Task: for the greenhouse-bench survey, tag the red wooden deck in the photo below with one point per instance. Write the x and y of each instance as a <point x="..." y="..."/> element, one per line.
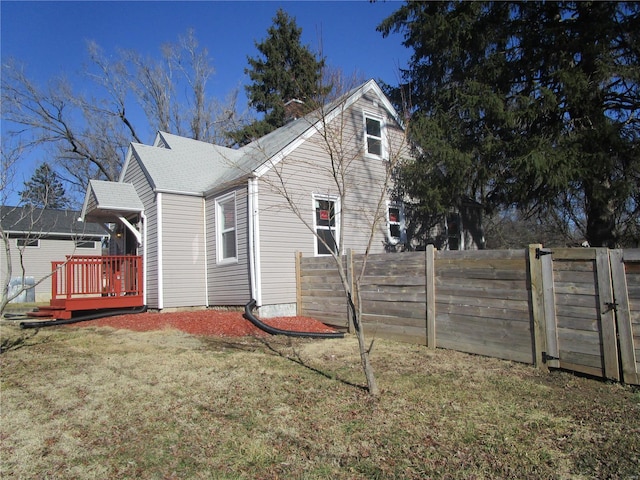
<point x="86" y="282"/>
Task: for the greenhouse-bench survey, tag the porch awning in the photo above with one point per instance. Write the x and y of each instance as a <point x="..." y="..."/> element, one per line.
<point x="106" y="202"/>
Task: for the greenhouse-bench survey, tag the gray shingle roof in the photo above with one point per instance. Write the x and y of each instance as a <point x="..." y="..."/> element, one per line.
<point x="182" y="165"/>
<point x="116" y="196"/>
<point x="38" y="221"/>
<point x="195" y="167"/>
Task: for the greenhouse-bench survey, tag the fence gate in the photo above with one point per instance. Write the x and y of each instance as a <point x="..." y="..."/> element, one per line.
<point x="588" y="324"/>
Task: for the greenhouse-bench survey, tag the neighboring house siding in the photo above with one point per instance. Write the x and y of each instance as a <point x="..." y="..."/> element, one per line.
<point x="229" y="283"/>
<point x="136" y="176"/>
<point x="305" y="172"/>
<point x="183" y="251"/>
<point x="37" y="260"/>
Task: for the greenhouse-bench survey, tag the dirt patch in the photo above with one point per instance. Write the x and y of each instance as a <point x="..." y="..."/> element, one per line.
<point x="205" y="322"/>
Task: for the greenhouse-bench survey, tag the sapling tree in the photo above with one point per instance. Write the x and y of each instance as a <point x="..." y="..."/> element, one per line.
<point x="355" y="190"/>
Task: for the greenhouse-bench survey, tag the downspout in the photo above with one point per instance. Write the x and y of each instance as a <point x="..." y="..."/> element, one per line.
<point x="206" y="256"/>
<point x="143" y="217"/>
<point x="159" y="235"/>
<point x="254" y="241"/>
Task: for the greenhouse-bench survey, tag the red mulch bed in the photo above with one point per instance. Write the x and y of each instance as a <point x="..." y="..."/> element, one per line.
<point x="205" y="322"/>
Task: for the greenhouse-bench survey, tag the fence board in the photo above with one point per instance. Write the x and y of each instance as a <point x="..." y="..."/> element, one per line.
<point x="524" y="305"/>
<point x="629" y="357"/>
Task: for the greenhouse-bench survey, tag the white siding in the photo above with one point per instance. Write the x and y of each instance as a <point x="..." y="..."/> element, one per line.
<point x="183" y="251"/>
<point x="136" y="176"/>
<point x="229" y="283"/>
<point x="37" y="261"/>
<point x="307" y="171"/>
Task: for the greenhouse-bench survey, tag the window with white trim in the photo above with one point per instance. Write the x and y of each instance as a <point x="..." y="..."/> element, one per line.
<point x="396" y="230"/>
<point x="28" y="242"/>
<point x="85" y="244"/>
<point x="325" y="224"/>
<point x="226" y="242"/>
<point x="374" y="133"/>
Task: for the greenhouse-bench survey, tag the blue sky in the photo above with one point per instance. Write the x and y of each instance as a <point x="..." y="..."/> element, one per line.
<point x="50" y="37"/>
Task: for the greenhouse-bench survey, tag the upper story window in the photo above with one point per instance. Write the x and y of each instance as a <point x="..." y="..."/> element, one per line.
<point x="326" y="224"/>
<point x="226" y="244"/>
<point x="374" y="133"/>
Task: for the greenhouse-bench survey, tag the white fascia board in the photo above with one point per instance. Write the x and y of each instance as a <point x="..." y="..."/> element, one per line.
<point x="119" y="209"/>
<point x="326" y="119"/>
<point x="372" y="85"/>
<point x="85" y="203"/>
<point x="127" y="160"/>
<point x="178" y="192"/>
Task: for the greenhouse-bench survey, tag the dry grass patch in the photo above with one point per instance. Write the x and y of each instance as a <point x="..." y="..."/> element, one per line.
<point x="103" y="403"/>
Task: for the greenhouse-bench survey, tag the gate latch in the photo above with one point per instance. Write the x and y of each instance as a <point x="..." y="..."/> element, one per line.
<point x="540" y="252"/>
<point x="546" y="356"/>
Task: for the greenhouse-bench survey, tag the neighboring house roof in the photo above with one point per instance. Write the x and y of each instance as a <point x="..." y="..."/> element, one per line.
<point x="181" y="165"/>
<point x="38" y="221"/>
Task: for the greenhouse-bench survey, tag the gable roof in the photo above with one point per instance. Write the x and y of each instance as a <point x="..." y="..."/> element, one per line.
<point x="39" y="221"/>
<point x="108" y="199"/>
<point x="175" y="164"/>
<point x="182" y="165"/>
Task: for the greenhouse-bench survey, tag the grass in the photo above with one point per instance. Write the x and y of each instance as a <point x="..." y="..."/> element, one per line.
<point x="100" y="403"/>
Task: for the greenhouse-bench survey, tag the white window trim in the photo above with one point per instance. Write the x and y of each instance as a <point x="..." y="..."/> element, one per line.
<point x="383" y="130"/>
<point x="27" y="241"/>
<point x="84" y="244"/>
<point x="219" y="244"/>
<point x="400" y="222"/>
<point x="336" y="200"/>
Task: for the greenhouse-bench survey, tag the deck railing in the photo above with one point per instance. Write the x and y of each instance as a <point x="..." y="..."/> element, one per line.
<point x="85" y="276"/>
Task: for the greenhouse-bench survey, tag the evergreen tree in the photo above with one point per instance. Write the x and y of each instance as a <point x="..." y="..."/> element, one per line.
<point x="44" y="190"/>
<point x="532" y="104"/>
<point x="284" y="71"/>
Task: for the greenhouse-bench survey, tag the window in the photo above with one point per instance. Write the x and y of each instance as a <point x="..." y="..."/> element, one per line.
<point x="396" y="231"/>
<point x="325" y="225"/>
<point x="85" y="244"/>
<point x="226" y="228"/>
<point x="28" y="242"/>
<point x="374" y="129"/>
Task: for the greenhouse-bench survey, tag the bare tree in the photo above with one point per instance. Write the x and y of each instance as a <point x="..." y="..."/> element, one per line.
<point x="85" y="134"/>
<point x="339" y="136"/>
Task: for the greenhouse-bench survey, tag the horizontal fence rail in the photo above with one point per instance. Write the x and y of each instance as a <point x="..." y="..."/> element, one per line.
<point x="576" y="309"/>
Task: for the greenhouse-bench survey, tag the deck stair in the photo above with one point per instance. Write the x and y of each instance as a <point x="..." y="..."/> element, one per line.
<point x="52" y="312"/>
<point x="91" y="283"/>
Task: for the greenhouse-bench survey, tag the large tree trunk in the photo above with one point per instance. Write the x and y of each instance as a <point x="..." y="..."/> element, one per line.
<point x="600" y="212"/>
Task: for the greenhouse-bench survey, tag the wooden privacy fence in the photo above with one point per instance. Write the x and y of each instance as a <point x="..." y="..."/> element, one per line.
<point x="576" y="309"/>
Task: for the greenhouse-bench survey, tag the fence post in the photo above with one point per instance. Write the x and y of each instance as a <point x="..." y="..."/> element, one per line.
<point x="607" y="318"/>
<point x="623" y="317"/>
<point x="298" y="257"/>
<point x="354" y="298"/>
<point x="430" y="284"/>
<point x="537" y="306"/>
